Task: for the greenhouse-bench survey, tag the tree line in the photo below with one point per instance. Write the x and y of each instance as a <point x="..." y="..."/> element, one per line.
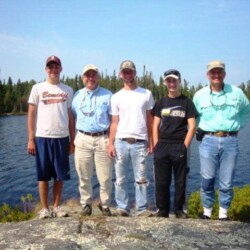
<point x="14" y="96"/>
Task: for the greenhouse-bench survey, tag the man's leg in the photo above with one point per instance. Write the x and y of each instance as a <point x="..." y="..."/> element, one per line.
<point x="228" y="159"/>
<point x="84" y="162"/>
<point x="43" y="187"/>
<point x="163" y="176"/>
<point x="209" y="161"/>
<point x="138" y="153"/>
<point x="179" y="160"/>
<point x="122" y="164"/>
<point x="103" y="170"/>
<point x="57" y="192"/>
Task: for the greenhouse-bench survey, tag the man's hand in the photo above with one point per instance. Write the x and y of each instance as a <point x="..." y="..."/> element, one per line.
<point x="31" y="148"/>
<point x="111" y="151"/>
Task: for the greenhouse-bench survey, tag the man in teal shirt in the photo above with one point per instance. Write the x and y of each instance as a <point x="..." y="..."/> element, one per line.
<point x="223" y="110"/>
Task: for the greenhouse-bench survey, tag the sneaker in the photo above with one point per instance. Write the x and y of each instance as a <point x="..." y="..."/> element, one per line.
<point x="121" y="212"/>
<point x="145" y="213"/>
<point x="204" y="217"/>
<point x="161" y="213"/>
<point x="105" y="211"/>
<point x="59" y="213"/>
<point x="44" y="214"/>
<point x="181" y="215"/>
<point x="86" y="210"/>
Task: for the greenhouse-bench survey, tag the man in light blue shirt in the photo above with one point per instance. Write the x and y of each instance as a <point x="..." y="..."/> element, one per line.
<point x="223" y="110"/>
<point x="91" y="107"/>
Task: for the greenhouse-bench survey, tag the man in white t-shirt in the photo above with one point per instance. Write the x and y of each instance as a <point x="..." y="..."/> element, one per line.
<point x="130" y="139"/>
<point x="51" y="135"/>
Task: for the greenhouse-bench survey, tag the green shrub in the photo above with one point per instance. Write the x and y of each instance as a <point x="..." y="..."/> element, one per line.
<point x="15" y="214"/>
<point x="239" y="209"/>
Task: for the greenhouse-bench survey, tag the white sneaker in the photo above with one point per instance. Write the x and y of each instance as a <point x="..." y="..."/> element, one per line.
<point x="144" y="213"/>
<point x="58" y="212"/>
<point x="44" y="214"/>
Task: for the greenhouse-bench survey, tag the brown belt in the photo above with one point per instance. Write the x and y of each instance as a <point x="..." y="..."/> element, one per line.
<point x="132" y="140"/>
<point x="223" y="133"/>
<point x="94" y="134"/>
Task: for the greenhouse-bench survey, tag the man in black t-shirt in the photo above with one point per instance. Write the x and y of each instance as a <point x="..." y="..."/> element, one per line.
<point x="173" y="131"/>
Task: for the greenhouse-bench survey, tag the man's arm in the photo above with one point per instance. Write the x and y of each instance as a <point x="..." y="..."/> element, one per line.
<point x="71" y="131"/>
<point x="149" y="129"/>
<point x="191" y="131"/>
<point x="31" y="123"/>
<point x="112" y="133"/>
<point x="155" y="133"/>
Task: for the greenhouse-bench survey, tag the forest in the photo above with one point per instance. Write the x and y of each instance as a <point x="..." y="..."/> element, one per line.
<point x="14" y="96"/>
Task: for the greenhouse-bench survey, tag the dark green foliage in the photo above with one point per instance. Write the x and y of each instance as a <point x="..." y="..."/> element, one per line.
<point x="14" y="96"/>
<point x="9" y="214"/>
<point x="240" y="207"/>
<point x="238" y="211"/>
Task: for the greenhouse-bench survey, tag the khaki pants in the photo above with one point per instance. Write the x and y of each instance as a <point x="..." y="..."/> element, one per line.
<point x="91" y="151"/>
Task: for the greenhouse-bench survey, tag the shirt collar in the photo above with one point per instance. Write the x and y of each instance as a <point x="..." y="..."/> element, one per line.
<point x="91" y="92"/>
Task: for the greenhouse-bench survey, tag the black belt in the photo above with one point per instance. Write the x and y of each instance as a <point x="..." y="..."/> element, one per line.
<point x="94" y="134"/>
<point x="132" y="140"/>
<point x="223" y="133"/>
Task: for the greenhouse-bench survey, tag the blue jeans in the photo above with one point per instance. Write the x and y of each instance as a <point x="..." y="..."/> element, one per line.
<point x="218" y="154"/>
<point x="128" y="155"/>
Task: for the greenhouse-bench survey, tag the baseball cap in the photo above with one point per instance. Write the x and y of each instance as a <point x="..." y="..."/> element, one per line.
<point x="89" y="67"/>
<point x="53" y="59"/>
<point x="127" y="64"/>
<point x="172" y="73"/>
<point x="215" y="64"/>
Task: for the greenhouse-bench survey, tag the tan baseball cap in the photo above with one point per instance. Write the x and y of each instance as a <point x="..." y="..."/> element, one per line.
<point x="89" y="67"/>
<point x="127" y="64"/>
<point x="215" y="64"/>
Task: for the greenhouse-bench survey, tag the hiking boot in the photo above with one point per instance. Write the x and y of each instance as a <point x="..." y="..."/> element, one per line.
<point x="204" y="217"/>
<point x="181" y="215"/>
<point x="86" y="210"/>
<point x="145" y="213"/>
<point x="44" y="214"/>
<point x="161" y="213"/>
<point x="58" y="212"/>
<point x="224" y="219"/>
<point x="121" y="212"/>
<point x="105" y="211"/>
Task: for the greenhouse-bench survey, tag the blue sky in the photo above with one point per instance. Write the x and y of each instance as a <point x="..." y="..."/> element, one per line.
<point x="159" y="34"/>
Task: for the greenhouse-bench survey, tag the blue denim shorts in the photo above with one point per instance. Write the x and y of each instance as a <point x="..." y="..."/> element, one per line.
<point x="52" y="158"/>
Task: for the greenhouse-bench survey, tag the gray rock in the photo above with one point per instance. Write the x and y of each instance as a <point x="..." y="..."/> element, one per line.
<point x="98" y="232"/>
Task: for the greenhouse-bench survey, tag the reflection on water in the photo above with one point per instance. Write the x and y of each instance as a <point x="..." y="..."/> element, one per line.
<point x="18" y="174"/>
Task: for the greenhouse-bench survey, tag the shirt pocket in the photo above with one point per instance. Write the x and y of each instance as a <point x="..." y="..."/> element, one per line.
<point x="102" y="114"/>
<point x="232" y="109"/>
<point x="208" y="111"/>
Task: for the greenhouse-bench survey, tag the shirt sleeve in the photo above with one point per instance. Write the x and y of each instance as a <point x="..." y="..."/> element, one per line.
<point x="191" y="112"/>
<point x="151" y="101"/>
<point x="157" y="110"/>
<point x="33" y="98"/>
<point x="114" y="107"/>
<point x="244" y="110"/>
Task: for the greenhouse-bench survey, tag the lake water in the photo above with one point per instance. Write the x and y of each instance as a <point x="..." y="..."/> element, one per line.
<point x="18" y="174"/>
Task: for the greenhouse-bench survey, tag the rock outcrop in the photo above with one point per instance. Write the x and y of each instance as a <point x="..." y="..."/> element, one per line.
<point x="98" y="232"/>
